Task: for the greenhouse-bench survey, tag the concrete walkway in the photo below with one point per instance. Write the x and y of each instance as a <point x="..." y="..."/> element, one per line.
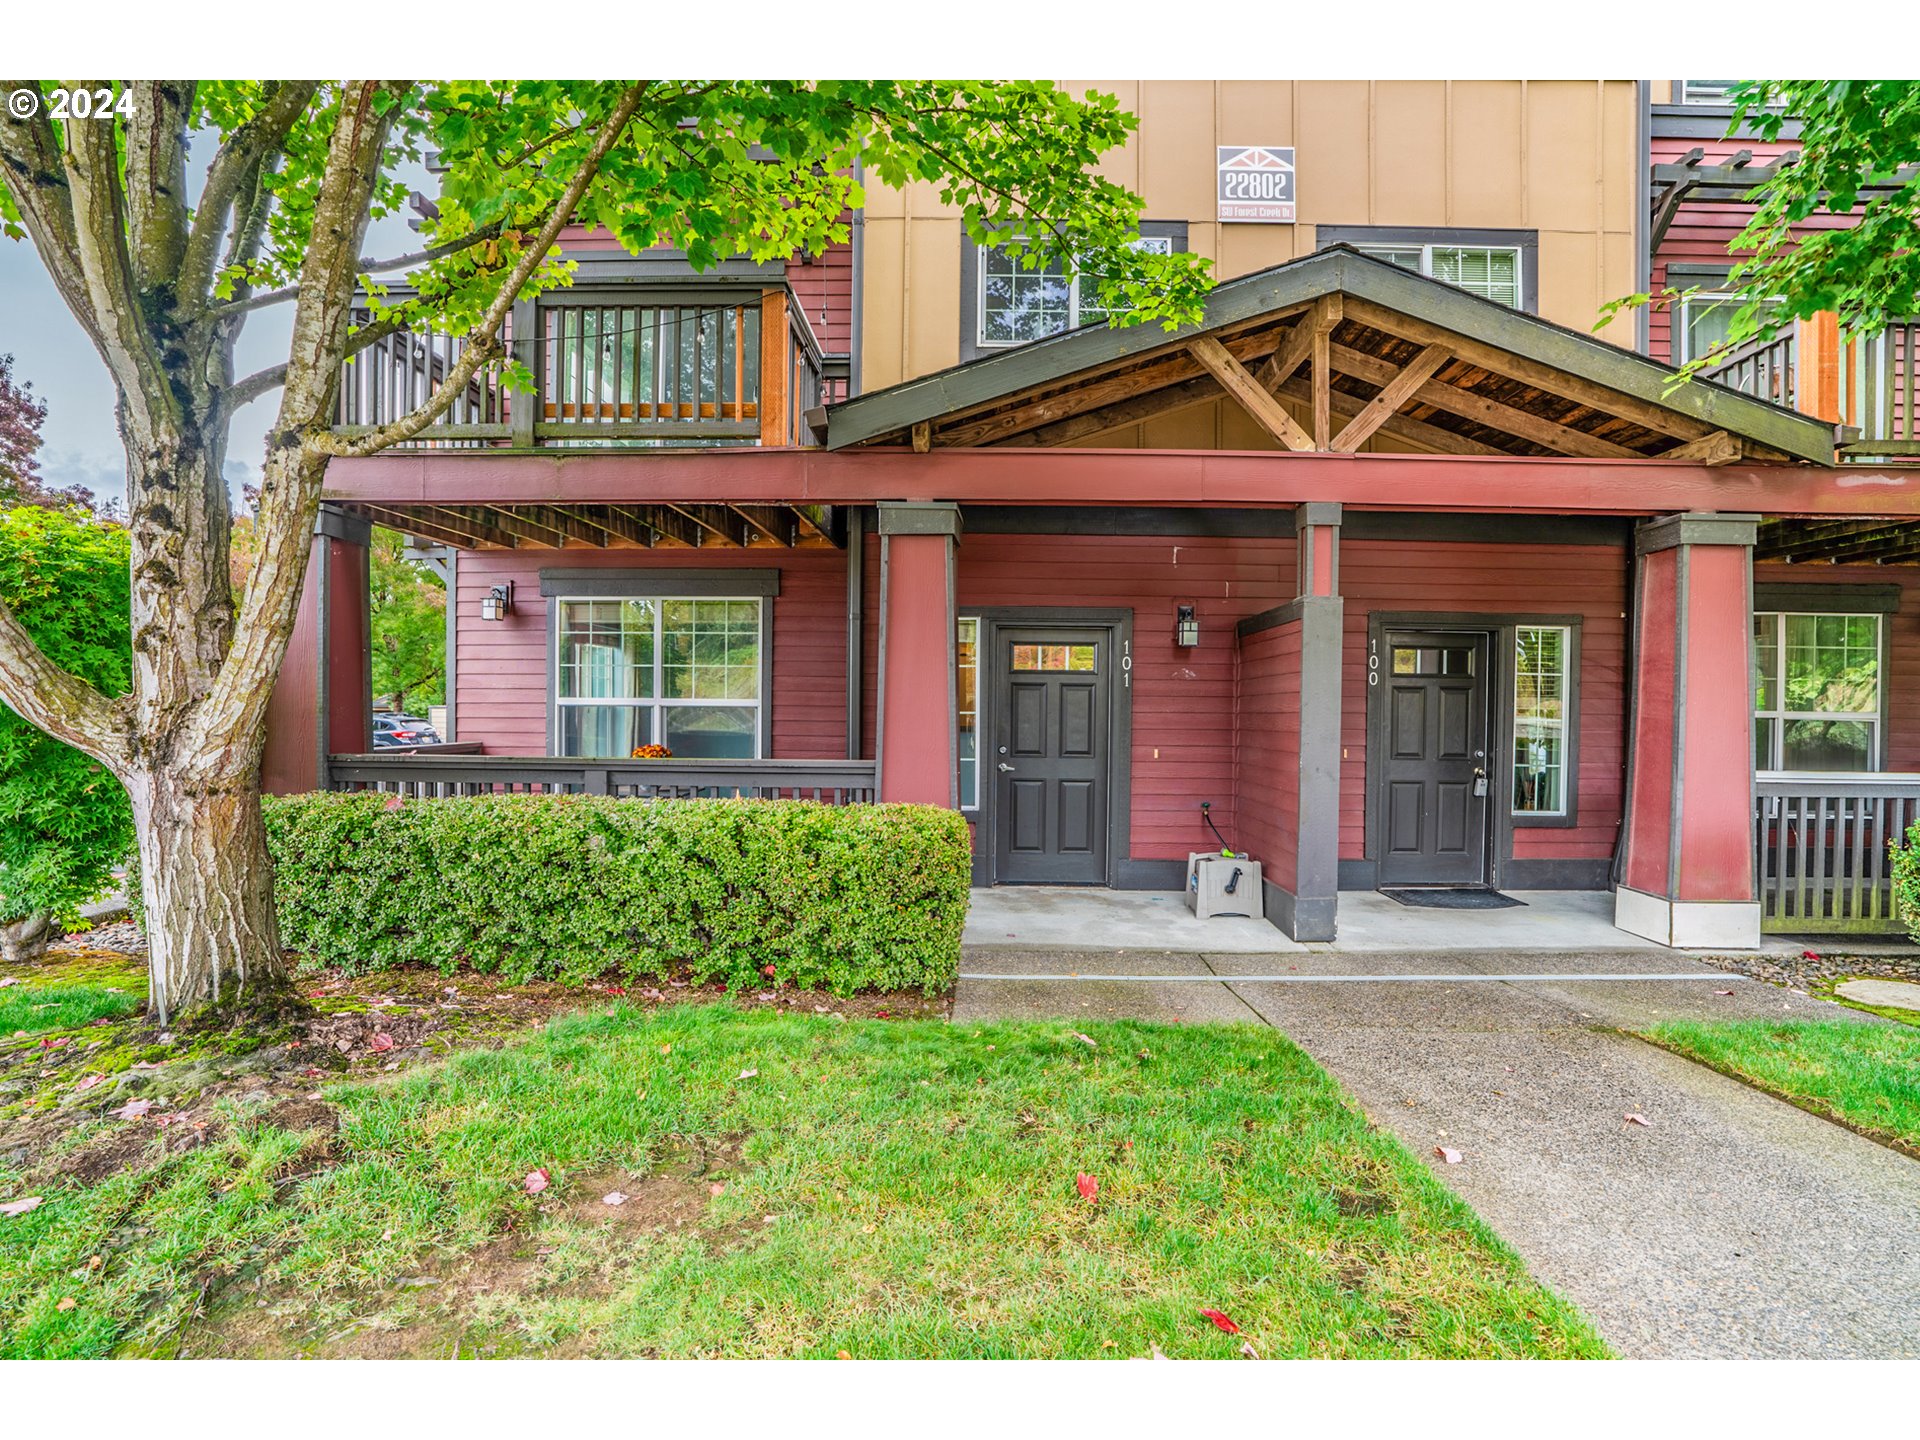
<point x="1732" y="1225"/>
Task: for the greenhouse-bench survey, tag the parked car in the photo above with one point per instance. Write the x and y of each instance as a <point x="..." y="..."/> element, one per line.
<point x="391" y="730"/>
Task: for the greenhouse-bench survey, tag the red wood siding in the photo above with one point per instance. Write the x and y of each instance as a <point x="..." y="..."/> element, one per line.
<point x="1585" y="580"/>
<point x="1902" y="637"/>
<point x="1183" y="700"/>
<point x="500" y="674"/>
<point x="1267" y="752"/>
<point x="822" y="286"/>
<point x="1700" y="234"/>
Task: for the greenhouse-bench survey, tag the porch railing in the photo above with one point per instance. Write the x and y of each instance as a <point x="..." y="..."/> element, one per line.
<point x="421" y="775"/>
<point x="610" y="367"/>
<point x="1871" y="387"/>
<point x="1821" y="849"/>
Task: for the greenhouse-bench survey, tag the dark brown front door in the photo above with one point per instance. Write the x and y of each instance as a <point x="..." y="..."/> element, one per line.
<point x="1048" y="761"/>
<point x="1433" y="778"/>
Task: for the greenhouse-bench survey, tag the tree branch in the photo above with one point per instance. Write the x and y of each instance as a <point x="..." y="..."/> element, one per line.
<point x="59" y="702"/>
<point x="483" y="340"/>
<point x="367" y="267"/>
<point x="37" y="181"/>
<point x="157" y="177"/>
<point x="239" y="155"/>
<point x="246" y="391"/>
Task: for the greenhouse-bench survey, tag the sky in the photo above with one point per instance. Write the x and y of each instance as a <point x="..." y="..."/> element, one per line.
<point x="81" y="445"/>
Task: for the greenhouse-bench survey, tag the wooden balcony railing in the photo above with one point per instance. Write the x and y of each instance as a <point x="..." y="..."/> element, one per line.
<point x="1821" y="850"/>
<point x="421" y="775"/>
<point x="1869" y="388"/>
<point x="622" y="366"/>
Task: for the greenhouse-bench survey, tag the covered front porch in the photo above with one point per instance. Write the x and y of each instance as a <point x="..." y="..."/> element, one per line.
<point x="1453" y="598"/>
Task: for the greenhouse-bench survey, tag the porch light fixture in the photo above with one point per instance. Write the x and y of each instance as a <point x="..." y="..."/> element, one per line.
<point x="497" y="603"/>
<point x="1186" y="627"/>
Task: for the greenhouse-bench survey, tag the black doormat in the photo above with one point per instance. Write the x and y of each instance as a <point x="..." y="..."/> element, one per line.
<point x="1450" y="899"/>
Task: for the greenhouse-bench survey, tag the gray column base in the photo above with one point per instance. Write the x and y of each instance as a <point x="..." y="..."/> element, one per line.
<point x="1303" y="918"/>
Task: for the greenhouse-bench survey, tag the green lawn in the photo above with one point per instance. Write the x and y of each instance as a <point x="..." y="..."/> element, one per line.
<point x="1863" y="1075"/>
<point x="798" y="1186"/>
<point x="59" y="1007"/>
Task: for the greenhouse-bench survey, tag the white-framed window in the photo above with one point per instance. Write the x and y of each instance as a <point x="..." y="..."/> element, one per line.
<point x="1816" y="692"/>
<point x="1705" y="92"/>
<point x="1704" y="321"/>
<point x="1542" y="655"/>
<point x="1490" y="271"/>
<point x="1018" y="304"/>
<point x="655" y="670"/>
<point x="966" y="650"/>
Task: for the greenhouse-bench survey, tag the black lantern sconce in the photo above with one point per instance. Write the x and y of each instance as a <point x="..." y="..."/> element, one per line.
<point x="1186" y="627"/>
<point x="497" y="603"/>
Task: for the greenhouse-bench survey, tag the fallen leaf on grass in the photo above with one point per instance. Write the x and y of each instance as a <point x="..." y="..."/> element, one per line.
<point x="6" y="980"/>
<point x="382" y="1041"/>
<point x="716" y="1190"/>
<point x="613" y="1198"/>
<point x="66" y="1304"/>
<point x="1086" y="1040"/>
<point x="1155" y="1351"/>
<point x="1450" y="1157"/>
<point x="134" y="1109"/>
<point x="53" y="1044"/>
<point x="746" y="1074"/>
<point x="1089" y="1189"/>
<point x="1221" y="1321"/>
<point x="21" y="1207"/>
<point x="87" y="1082"/>
<point x="536" y="1181"/>
<point x="1633" y="1119"/>
<point x="1246" y="1349"/>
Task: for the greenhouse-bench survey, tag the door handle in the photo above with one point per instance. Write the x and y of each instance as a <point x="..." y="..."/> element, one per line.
<point x="1005" y="768"/>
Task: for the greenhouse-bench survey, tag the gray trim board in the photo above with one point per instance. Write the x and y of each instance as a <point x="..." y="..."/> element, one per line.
<point x="1452" y="527"/>
<point x="918" y="517"/>
<point x="1317" y="793"/>
<point x="451" y="667"/>
<point x="1668" y="531"/>
<point x="336" y="524"/>
<point x="1273" y="619"/>
<point x="1643" y="212"/>
<point x="1131" y="874"/>
<point x="1527" y="242"/>
<point x="657" y="580"/>
<point x="1276" y="524"/>
<point x="1293" y="285"/>
<point x="856" y="625"/>
<point x="1709" y="122"/>
<point x="1827" y="599"/>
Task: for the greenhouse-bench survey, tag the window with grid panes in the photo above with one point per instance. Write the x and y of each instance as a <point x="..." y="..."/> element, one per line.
<point x="1490" y="271"/>
<point x="1816" y="692"/>
<point x="1018" y="304"/>
<point x="684" y="673"/>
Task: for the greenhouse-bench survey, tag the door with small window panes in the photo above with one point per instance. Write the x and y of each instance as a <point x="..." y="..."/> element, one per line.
<point x="1434" y="786"/>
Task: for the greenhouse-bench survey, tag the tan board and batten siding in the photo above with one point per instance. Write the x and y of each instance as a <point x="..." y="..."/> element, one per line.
<point x="1458" y="154"/>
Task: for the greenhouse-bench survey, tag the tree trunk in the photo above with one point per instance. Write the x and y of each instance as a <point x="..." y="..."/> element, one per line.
<point x="206" y="885"/>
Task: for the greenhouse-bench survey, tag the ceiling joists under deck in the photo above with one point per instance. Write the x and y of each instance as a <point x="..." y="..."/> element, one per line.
<point x="607" y="527"/>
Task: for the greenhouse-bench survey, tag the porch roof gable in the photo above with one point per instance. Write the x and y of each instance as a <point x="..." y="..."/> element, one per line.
<point x="1362" y="348"/>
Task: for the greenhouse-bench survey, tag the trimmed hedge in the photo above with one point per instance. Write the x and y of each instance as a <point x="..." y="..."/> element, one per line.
<point x="572" y="887"/>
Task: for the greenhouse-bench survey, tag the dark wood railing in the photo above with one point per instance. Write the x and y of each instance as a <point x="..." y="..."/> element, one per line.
<point x="610" y="366"/>
<point x="1821" y="850"/>
<point x="421" y="775"/>
<point x="1764" y="369"/>
<point x="1881" y="385"/>
<point x="1870" y="388"/>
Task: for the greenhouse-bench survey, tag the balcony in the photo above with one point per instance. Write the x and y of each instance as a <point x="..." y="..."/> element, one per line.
<point x="613" y="367"/>
<point x="1868" y="388"/>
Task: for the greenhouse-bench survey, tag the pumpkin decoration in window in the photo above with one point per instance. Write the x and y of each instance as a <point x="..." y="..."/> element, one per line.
<point x="651" y="752"/>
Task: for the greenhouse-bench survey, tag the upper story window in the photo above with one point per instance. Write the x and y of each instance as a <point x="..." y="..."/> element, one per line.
<point x="1490" y="271"/>
<point x="1497" y="265"/>
<point x="1704" y="92"/>
<point x="1004" y="303"/>
<point x="1018" y="304"/>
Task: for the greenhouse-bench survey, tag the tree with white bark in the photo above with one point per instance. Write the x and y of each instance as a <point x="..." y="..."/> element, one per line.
<point x="161" y="278"/>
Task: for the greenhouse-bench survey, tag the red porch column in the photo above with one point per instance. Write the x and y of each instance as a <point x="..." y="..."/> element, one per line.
<point x="323" y="699"/>
<point x="916" y="727"/>
<point x="1687" y="875"/>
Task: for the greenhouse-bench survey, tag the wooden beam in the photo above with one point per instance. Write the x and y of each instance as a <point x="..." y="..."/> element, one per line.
<point x="1719" y="448"/>
<point x="774" y="339"/>
<point x="922" y="436"/>
<point x="1199" y="391"/>
<point x="618" y="527"/>
<point x="812" y="522"/>
<point x="1171" y="368"/>
<point x="1401" y="427"/>
<point x="714" y="520"/>
<point x="1395" y="393"/>
<point x="770" y="522"/>
<point x="1530" y="372"/>
<point x="1563" y="439"/>
<point x="1322" y="381"/>
<point x="667" y="527"/>
<point x="514" y="523"/>
<point x="441" y="527"/>
<point x="1238" y="382"/>
<point x="1836" y="543"/>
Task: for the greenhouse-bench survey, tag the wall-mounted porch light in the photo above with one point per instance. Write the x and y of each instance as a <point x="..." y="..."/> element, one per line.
<point x="497" y="603"/>
<point x="1186" y="627"/>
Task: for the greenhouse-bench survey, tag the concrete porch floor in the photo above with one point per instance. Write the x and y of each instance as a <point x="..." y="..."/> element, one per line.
<point x="1039" y="916"/>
